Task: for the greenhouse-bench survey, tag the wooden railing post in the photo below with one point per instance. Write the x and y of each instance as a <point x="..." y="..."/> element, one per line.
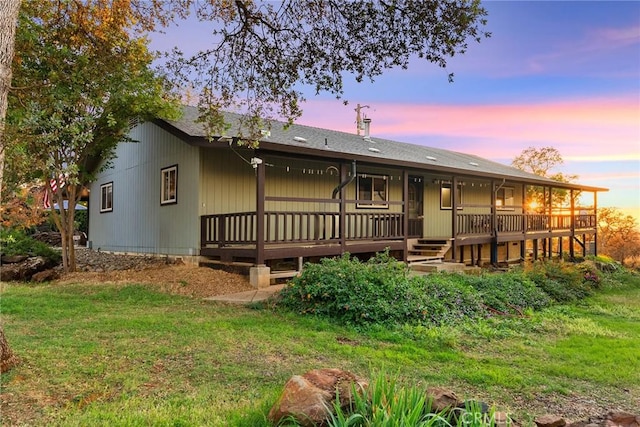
<point x="260" y="178"/>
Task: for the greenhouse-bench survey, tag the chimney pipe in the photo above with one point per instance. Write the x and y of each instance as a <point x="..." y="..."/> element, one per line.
<point x="367" y="128"/>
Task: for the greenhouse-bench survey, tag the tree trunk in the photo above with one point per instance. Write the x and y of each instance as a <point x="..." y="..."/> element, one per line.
<point x="8" y="21"/>
<point x="7" y="359"/>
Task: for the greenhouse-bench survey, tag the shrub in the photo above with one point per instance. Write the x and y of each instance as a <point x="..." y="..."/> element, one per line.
<point x="509" y="292"/>
<point x="449" y="298"/>
<point x="16" y="242"/>
<point x="563" y="282"/>
<point x="375" y="292"/>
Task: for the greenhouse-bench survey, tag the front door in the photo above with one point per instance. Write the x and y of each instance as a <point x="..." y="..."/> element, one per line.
<point x="416" y="192"/>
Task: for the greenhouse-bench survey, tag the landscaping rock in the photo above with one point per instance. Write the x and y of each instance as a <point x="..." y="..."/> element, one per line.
<point x="442" y="399"/>
<point x="309" y="398"/>
<point x="550" y="421"/>
<point x="23" y="271"/>
<point x="622" y="419"/>
<point x="13" y="259"/>
<point x="45" y="276"/>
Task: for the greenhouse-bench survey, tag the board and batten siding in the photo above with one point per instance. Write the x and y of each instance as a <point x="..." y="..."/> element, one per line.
<point x="138" y="222"/>
<point x="227" y="181"/>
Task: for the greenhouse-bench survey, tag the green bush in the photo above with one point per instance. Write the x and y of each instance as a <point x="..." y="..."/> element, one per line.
<point x="449" y="298"/>
<point x="16" y="242"/>
<point x="509" y="292"/>
<point x="564" y="282"/>
<point x="358" y="293"/>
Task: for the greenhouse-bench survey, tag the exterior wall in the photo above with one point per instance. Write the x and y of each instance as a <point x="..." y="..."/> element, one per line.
<point x="227" y="182"/>
<point x="138" y="223"/>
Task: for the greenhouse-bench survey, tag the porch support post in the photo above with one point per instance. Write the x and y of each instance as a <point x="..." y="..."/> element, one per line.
<point x="342" y="220"/>
<point x="494" y="225"/>
<point x="454" y="215"/>
<point x="535" y="249"/>
<point x="405" y="216"/>
<point x="595" y="213"/>
<point x="523" y="244"/>
<point x="260" y="178"/>
<point x="573" y="224"/>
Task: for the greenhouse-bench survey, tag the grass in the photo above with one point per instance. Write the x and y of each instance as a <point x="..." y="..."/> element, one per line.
<point x="127" y="355"/>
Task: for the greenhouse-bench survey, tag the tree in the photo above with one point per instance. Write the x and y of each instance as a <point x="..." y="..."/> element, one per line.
<point x="541" y="162"/>
<point x="81" y="79"/>
<point x="8" y="16"/>
<point x="262" y="51"/>
<point x="618" y="236"/>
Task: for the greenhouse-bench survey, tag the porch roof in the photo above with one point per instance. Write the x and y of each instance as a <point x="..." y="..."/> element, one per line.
<point x="308" y="140"/>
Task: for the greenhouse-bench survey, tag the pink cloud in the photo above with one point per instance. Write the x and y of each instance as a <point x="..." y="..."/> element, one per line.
<point x="581" y="130"/>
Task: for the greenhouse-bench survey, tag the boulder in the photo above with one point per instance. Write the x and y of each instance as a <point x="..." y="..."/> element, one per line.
<point x="550" y="421"/>
<point x="310" y="398"/>
<point x="622" y="419"/>
<point x="442" y="399"/>
<point x="24" y="270"/>
<point x="13" y="259"/>
<point x="45" y="276"/>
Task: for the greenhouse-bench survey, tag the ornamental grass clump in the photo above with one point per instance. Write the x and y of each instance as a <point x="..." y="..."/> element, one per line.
<point x="387" y="404"/>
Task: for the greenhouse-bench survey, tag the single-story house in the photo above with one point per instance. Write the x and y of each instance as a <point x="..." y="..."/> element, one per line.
<point x="306" y="193"/>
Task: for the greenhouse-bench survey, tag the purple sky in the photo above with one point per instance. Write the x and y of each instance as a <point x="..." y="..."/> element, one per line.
<point x="564" y="74"/>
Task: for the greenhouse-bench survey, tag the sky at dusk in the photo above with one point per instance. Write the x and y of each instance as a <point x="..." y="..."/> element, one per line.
<point x="564" y="74"/>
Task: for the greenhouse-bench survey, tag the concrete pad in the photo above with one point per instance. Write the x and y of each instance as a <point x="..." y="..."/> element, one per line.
<point x="247" y="297"/>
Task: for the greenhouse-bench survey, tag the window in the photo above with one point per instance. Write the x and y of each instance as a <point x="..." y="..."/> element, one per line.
<point x="372" y="189"/>
<point x="445" y="196"/>
<point x="504" y="198"/>
<point x="169" y="189"/>
<point x="106" y="197"/>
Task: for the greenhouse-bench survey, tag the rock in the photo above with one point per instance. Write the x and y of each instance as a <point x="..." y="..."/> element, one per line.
<point x="24" y="270"/>
<point x="13" y="259"/>
<point x="550" y="421"/>
<point x="622" y="419"/>
<point x="309" y="398"/>
<point x="45" y="276"/>
<point x="442" y="399"/>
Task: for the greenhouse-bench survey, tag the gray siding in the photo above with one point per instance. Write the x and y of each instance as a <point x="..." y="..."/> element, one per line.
<point x="138" y="223"/>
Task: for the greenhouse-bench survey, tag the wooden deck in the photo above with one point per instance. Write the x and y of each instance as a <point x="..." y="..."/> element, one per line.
<point x="233" y="237"/>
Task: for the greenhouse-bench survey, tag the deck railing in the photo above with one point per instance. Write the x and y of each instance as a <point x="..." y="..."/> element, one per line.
<point x="298" y="227"/>
<point x="481" y="224"/>
<point x="324" y="227"/>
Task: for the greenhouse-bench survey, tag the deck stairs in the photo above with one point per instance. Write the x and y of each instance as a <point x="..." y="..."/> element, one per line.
<point x="427" y="250"/>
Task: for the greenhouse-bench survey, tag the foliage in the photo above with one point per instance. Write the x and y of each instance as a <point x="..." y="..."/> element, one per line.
<point x="17" y="242"/>
<point x="356" y="293"/>
<point x="262" y="51"/>
<point x="509" y="292"/>
<point x="448" y="298"/>
<point x="541" y="161"/>
<point x="21" y="207"/>
<point x="385" y="403"/>
<point x="564" y="282"/>
<point x="618" y="236"/>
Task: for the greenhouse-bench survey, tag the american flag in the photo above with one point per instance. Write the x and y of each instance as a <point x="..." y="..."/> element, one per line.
<point x="53" y="183"/>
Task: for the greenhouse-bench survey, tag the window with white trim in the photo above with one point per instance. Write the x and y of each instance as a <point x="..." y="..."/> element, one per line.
<point x="372" y="189"/>
<point x="446" y="201"/>
<point x="505" y="199"/>
<point x="106" y="197"/>
<point x="169" y="186"/>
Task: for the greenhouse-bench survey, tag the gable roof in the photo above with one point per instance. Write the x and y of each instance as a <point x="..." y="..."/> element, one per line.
<point x="313" y="141"/>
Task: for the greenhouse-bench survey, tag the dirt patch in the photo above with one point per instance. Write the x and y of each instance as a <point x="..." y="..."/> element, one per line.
<point x="166" y="276"/>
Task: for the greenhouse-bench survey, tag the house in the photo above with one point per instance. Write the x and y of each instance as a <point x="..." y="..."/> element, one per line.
<point x="307" y="193"/>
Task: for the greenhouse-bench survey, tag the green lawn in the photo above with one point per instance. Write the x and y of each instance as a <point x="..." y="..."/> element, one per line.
<point x="127" y="355"/>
